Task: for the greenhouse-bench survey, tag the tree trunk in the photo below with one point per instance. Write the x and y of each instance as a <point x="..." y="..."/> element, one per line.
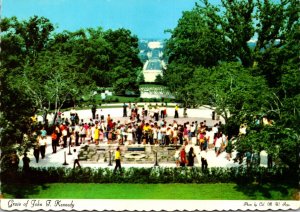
<point x="54" y="117"/>
<point x="45" y="115"/>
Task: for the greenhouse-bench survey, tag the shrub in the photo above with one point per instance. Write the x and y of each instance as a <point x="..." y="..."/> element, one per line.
<point x="238" y="175"/>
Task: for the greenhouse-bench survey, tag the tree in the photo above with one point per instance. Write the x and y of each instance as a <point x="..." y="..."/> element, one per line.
<point x="159" y="79"/>
<point x="141" y="78"/>
<point x="263" y="81"/>
<point x="12" y="44"/>
<point x="178" y="79"/>
<point x="92" y="52"/>
<point x="124" y="61"/>
<point x="195" y="41"/>
<point x="124" y="80"/>
<point x="271" y="23"/>
<point x="16" y="108"/>
<point x="30" y="37"/>
<point x="232" y="90"/>
<point x="53" y="79"/>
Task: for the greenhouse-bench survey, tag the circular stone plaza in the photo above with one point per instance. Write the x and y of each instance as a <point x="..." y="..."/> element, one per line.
<point x="134" y="155"/>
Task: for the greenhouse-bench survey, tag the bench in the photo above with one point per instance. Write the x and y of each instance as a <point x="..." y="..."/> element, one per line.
<point x="136" y="149"/>
<point x="101" y="149"/>
<point x="171" y="148"/>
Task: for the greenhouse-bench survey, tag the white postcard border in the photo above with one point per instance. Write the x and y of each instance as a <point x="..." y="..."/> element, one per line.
<point x="144" y="205"/>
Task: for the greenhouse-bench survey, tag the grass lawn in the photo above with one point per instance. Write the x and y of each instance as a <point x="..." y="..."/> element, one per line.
<point x="224" y="191"/>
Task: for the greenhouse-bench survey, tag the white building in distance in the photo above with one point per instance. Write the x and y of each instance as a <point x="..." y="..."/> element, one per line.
<point x="154" y="66"/>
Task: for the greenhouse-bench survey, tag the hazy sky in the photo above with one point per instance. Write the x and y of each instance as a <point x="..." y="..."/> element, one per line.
<point x="145" y="18"/>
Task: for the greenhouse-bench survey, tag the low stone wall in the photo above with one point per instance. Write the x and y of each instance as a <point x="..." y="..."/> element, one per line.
<point x="131" y="154"/>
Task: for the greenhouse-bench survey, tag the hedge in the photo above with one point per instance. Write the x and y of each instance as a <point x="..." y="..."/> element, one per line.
<point x="239" y="175"/>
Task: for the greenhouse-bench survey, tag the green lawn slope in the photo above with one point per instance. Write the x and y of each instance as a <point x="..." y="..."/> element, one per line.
<point x="222" y="191"/>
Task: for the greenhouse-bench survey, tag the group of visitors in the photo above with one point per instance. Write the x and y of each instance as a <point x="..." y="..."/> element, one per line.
<point x="135" y="132"/>
<point x="153" y="111"/>
<point x="145" y="126"/>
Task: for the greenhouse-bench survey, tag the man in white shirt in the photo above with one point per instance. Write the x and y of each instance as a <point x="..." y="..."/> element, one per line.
<point x="193" y="128"/>
<point x="75" y="159"/>
<point x="218" y="144"/>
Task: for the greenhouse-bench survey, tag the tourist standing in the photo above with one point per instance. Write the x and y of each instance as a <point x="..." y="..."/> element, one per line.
<point x="163" y="131"/>
<point x="124" y="110"/>
<point x="96" y="134"/>
<point x="159" y="136"/>
<point x="204" y="164"/>
<point x="101" y="135"/>
<point x="54" y="141"/>
<point x="77" y="130"/>
<point x="36" y="150"/>
<point x="129" y="135"/>
<point x="76" y="119"/>
<point x="26" y="162"/>
<point x="162" y="111"/>
<point x="191" y="157"/>
<point x="182" y="157"/>
<point x="154" y="133"/>
<point x="72" y="116"/>
<point x="146" y="130"/>
<point x="176" y="111"/>
<point x="180" y="134"/>
<point x="118" y="160"/>
<point x="75" y="159"/>
<point x="218" y="144"/>
<point x="94" y="109"/>
<point x="201" y="140"/>
<point x="168" y="136"/>
<point x="43" y="144"/>
<point x="146" y="109"/>
<point x="185" y="112"/>
<point x="229" y="148"/>
<point x="156" y="112"/>
<point x="43" y="132"/>
<point x="58" y="132"/>
<point x="82" y="134"/>
<point x="65" y="136"/>
<point x="165" y="110"/>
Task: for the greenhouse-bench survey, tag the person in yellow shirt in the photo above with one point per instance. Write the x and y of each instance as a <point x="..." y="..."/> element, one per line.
<point x="34" y="119"/>
<point x="176" y="111"/>
<point x="96" y="135"/>
<point x="147" y="129"/>
<point x="118" y="160"/>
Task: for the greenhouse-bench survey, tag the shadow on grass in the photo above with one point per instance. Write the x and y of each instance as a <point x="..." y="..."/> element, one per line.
<point x="20" y="187"/>
<point x="266" y="191"/>
<point x="20" y="190"/>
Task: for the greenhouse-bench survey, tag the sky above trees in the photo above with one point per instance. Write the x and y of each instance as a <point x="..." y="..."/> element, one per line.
<point x="145" y="18"/>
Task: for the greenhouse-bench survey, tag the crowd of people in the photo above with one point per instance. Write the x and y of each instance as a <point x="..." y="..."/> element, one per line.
<point x="146" y="126"/>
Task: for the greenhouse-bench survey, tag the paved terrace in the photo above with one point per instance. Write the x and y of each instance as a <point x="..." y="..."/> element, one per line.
<point x="200" y="114"/>
<point x="57" y="159"/>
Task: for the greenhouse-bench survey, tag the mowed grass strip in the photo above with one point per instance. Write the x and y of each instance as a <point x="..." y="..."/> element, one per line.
<point x="223" y="191"/>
